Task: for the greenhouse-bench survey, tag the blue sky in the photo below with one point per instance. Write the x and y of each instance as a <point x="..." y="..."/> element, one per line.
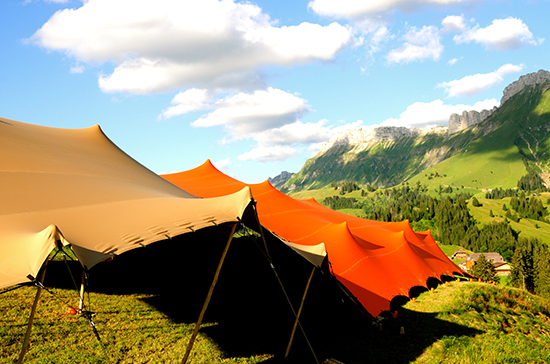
<point x="257" y="87"/>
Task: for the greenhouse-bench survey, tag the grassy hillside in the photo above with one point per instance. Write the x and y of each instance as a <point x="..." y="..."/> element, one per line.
<point x="498" y="158"/>
<point x="525" y="227"/>
<point x="458" y="323"/>
<point x="494" y="153"/>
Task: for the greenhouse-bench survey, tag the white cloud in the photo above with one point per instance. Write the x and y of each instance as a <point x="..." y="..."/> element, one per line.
<point x="223" y="163"/>
<point x="453" y="23"/>
<point x="419" y="44"/>
<point x="186" y="101"/>
<point x="243" y="114"/>
<point x="270" y="117"/>
<point x="452" y="62"/>
<point x="296" y="132"/>
<point x="473" y="84"/>
<point x="353" y="9"/>
<point x="170" y="44"/>
<point x="268" y="153"/>
<point x="434" y="113"/>
<point x="290" y="140"/>
<point x="77" y="69"/>
<point x="502" y="34"/>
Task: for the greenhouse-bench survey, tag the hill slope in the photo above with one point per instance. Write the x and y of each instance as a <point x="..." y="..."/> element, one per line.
<point x="494" y="153"/>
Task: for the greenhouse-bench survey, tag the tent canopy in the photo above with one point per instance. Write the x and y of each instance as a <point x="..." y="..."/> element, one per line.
<point x="74" y="186"/>
<point x="374" y="260"/>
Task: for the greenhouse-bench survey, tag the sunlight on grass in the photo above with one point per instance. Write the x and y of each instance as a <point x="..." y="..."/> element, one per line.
<point x="544" y="105"/>
<point x="514" y="325"/>
<point x="131" y="332"/>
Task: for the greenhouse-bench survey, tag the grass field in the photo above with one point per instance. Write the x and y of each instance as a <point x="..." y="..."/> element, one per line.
<point x="458" y="323"/>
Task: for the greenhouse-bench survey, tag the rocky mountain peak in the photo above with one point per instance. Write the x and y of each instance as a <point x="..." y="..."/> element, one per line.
<point x="529" y="79"/>
<point x="467" y="119"/>
<point x="364" y="137"/>
<point x="280" y="179"/>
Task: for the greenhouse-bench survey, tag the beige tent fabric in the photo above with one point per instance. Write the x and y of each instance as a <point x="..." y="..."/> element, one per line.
<point x="74" y="186"/>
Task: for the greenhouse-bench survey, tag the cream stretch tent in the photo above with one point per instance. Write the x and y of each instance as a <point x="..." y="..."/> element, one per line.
<point x="74" y="186"/>
<point x="374" y="260"/>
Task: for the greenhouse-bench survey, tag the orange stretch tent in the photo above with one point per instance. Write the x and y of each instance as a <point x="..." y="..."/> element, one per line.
<point x="74" y="186"/>
<point x="374" y="260"/>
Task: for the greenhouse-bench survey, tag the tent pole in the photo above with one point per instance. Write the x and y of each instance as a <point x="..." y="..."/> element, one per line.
<point x="268" y="256"/>
<point x="299" y="313"/>
<point x="31" y="317"/>
<point x="82" y="284"/>
<point x="207" y="300"/>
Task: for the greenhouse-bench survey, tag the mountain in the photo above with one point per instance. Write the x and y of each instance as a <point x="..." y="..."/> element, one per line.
<point x="488" y="149"/>
<point x="280" y="179"/>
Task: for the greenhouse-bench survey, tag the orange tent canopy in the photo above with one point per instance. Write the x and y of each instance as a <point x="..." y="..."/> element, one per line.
<point x="374" y="260"/>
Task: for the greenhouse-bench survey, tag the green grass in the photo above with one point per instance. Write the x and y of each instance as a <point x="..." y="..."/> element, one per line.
<point x="513" y="326"/>
<point x="525" y="227"/>
<point x="458" y="323"/>
<point x="131" y="330"/>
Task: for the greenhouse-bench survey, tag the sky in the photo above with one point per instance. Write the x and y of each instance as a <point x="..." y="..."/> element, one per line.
<point x="257" y="87"/>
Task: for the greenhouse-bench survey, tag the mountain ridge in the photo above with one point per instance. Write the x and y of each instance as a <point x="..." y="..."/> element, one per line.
<point x="387" y="156"/>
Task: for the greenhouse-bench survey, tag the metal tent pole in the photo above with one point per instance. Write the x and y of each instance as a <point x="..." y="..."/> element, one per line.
<point x="208" y="296"/>
<point x="299" y="313"/>
<point x="82" y="288"/>
<point x="33" y="311"/>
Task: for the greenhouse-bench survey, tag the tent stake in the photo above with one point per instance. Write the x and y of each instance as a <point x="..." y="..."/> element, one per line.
<point x="207" y="301"/>
<point x="31" y="317"/>
<point x="299" y="313"/>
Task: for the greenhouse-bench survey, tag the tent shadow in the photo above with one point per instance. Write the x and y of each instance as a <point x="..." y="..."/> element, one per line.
<point x="249" y="313"/>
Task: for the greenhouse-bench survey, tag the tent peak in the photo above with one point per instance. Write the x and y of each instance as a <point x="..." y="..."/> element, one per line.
<point x="52" y="233"/>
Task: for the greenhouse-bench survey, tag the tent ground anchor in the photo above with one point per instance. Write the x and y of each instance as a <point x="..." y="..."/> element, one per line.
<point x="207" y="300"/>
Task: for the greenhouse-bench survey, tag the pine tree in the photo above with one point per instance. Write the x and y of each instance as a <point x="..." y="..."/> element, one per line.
<point x="484" y="269"/>
<point x="523" y="269"/>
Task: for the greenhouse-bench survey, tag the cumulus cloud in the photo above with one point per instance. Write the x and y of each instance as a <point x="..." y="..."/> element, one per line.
<point x="452" y="61"/>
<point x="354" y="9"/>
<point x="473" y="84"/>
<point x="245" y="113"/>
<point x="290" y="140"/>
<point x="170" y="44"/>
<point x="270" y="117"/>
<point x="223" y="163"/>
<point x="502" y="34"/>
<point x="186" y="101"/>
<point x="419" y="44"/>
<point x="269" y="153"/>
<point x="435" y="113"/>
<point x="453" y="23"/>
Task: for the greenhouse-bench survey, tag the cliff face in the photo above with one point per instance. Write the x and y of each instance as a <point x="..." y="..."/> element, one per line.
<point x="365" y="137"/>
<point x="467" y="119"/>
<point x="530" y="79"/>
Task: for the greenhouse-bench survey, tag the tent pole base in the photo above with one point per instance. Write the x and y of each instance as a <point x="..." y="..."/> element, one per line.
<point x="31" y="317"/>
<point x="207" y="301"/>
